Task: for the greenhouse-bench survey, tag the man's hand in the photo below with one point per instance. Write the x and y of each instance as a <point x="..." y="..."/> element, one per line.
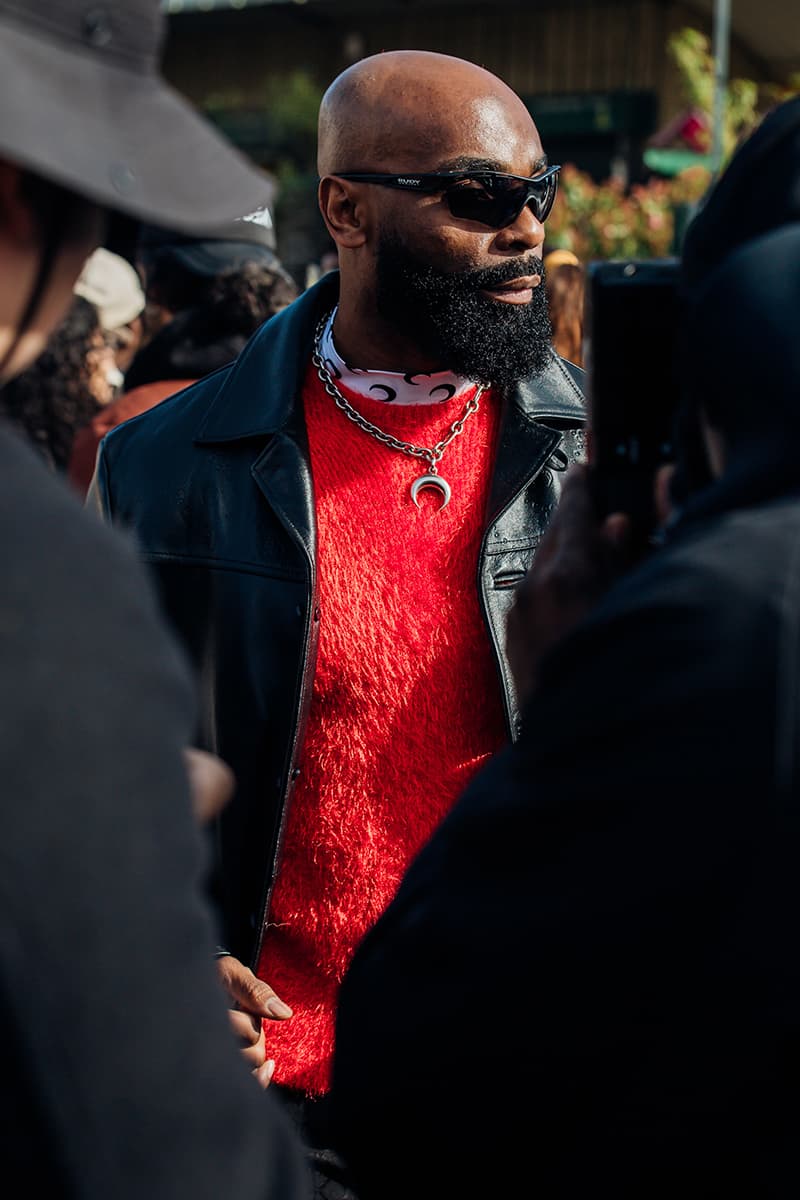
<point x="578" y="559"/>
<point x="252" y="1001"/>
<point x="212" y="784"/>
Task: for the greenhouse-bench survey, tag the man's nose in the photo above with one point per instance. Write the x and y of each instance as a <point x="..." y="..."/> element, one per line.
<point x="526" y="232"/>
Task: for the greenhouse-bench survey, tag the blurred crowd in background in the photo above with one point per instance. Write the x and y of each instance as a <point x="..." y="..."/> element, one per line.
<point x="139" y="332"/>
<point x="166" y="309"/>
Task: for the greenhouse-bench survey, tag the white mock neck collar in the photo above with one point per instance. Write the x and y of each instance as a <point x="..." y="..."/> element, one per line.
<point x="393" y="387"/>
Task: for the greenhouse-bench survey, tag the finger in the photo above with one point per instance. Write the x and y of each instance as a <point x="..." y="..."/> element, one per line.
<point x="249" y="992"/>
<point x="575" y="474"/>
<point x="250" y="1033"/>
<point x="662" y="492"/>
<point x="211" y="782"/>
<point x="573" y="518"/>
<point x="618" y="553"/>
<point x="265" y="1072"/>
<point x="573" y="489"/>
<point x="248" y="1029"/>
<point x="616" y="531"/>
<point x="253" y="1049"/>
<point x="571" y="500"/>
<point x="575" y="505"/>
<point x="254" y="1056"/>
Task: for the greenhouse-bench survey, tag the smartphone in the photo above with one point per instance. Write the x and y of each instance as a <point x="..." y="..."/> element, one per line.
<point x="631" y="319"/>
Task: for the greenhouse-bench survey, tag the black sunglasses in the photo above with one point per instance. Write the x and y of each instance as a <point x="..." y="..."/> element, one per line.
<point x="490" y="197"/>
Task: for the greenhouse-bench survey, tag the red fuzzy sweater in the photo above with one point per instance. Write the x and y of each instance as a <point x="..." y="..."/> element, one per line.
<point x="406" y="703"/>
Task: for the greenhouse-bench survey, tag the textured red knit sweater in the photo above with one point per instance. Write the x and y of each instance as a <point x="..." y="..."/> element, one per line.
<point x="406" y="702"/>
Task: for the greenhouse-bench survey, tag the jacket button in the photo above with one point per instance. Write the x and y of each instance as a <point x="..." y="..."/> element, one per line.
<point x="558" y="461"/>
<point x="295" y="773"/>
<point x="316" y="613"/>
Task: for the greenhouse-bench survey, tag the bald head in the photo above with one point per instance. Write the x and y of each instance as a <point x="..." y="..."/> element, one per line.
<point x="399" y="109"/>
<point x="402" y="251"/>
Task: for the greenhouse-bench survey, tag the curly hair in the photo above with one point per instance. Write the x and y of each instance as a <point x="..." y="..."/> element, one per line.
<point x="52" y="399"/>
<point x="241" y="299"/>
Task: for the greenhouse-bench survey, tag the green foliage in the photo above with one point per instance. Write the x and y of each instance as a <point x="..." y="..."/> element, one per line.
<point x="604" y="220"/>
<point x="294" y="103"/>
<point x="277" y="123"/>
<point x="691" y="52"/>
<point x="279" y="118"/>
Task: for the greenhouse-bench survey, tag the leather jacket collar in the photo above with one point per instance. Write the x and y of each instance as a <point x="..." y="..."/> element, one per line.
<point x="555" y="400"/>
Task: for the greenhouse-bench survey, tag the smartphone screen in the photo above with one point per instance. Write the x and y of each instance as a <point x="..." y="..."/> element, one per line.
<point x="631" y="321"/>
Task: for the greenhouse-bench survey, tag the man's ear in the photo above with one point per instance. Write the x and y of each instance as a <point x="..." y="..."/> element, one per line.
<point x="343" y="212"/>
<point x="16" y="216"/>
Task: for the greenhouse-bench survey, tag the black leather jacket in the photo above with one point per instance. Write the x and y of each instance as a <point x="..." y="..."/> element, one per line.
<point x="216" y="485"/>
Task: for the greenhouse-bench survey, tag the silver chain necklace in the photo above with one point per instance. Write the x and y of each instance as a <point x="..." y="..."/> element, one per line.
<point x="431" y="454"/>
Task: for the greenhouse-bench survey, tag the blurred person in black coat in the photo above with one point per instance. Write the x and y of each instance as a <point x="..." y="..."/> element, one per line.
<point x="587" y="983"/>
<point x="121" y="1076"/>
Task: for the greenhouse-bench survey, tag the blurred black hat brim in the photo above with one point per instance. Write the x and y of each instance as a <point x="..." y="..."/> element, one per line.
<point x="741" y="340"/>
<point x="210" y="258"/>
<point x="758" y="192"/>
<point x="112" y="130"/>
<point x="740" y="363"/>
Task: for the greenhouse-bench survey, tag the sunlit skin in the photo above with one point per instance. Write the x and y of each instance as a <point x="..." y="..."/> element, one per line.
<point x="415" y="111"/>
<point x="100" y="360"/>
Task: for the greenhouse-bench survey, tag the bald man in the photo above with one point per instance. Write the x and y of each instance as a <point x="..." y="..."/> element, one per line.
<point x="337" y="521"/>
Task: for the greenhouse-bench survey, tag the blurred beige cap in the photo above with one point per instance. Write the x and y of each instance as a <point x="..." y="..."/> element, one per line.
<point x="112" y="285"/>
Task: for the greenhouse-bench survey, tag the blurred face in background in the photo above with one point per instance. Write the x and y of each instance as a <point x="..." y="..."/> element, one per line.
<point x="104" y="374"/>
<point x="125" y="341"/>
<point x="28" y="208"/>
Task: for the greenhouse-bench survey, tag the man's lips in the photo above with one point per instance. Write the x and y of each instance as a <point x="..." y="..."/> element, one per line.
<point x="515" y="291"/>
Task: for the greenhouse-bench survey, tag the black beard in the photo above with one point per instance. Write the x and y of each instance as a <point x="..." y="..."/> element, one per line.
<point x="485" y="340"/>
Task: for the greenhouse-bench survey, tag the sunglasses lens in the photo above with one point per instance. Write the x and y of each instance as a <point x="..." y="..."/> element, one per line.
<point x="543" y="204"/>
<point x="497" y="202"/>
<point x="486" y="202"/>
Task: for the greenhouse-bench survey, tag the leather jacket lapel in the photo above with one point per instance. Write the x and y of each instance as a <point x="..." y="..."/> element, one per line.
<point x="523" y="449"/>
<point x="536" y="414"/>
<point x="282" y="472"/>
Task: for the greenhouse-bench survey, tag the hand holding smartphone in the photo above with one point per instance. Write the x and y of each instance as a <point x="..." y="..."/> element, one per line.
<point x="630" y="332"/>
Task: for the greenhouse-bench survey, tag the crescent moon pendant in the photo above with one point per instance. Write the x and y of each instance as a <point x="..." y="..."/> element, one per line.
<point x="431" y="481"/>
